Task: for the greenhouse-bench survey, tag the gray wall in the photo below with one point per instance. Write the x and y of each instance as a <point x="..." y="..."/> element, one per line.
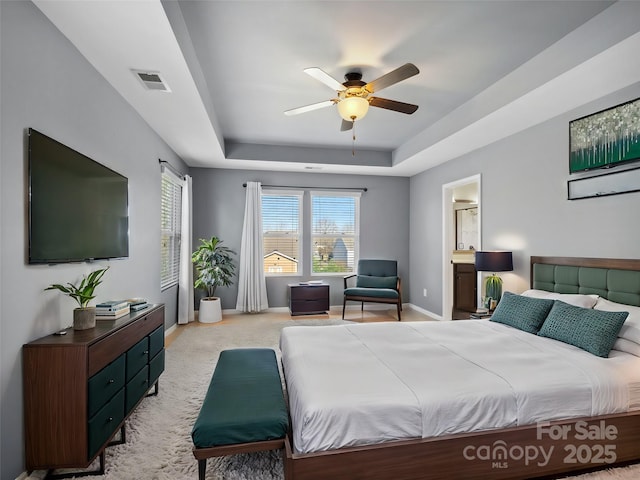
<point x="46" y="84"/>
<point x="524" y="206"/>
<point x="219" y="198"/>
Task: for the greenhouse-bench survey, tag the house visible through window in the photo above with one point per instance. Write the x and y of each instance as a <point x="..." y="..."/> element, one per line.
<point x="170" y="225"/>
<point x="282" y="230"/>
<point x="334" y="232"/>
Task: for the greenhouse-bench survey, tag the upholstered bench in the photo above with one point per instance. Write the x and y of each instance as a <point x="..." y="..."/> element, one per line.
<point x="244" y="409"/>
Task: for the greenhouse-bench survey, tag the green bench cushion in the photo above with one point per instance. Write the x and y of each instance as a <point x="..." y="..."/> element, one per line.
<point x="244" y="402"/>
<point x="371" y="292"/>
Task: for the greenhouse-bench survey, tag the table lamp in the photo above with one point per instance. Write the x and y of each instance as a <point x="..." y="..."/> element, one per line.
<point x="494" y="262"/>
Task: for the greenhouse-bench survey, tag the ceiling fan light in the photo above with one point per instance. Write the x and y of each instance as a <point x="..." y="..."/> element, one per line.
<point x="353" y="108"/>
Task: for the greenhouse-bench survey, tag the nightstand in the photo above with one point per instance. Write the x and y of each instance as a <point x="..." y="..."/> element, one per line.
<point x="306" y="299"/>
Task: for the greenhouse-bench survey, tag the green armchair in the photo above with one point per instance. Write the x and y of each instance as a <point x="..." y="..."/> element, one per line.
<point x="376" y="281"/>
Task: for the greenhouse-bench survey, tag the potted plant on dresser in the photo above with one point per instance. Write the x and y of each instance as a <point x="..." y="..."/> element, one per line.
<point x="214" y="268"/>
<point x="84" y="317"/>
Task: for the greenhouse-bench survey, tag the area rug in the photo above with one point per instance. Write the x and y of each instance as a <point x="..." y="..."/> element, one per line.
<point x="158" y="445"/>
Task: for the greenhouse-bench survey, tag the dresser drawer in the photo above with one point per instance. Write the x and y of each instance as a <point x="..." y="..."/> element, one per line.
<point x="105" y="384"/>
<point x="103" y="352"/>
<point x="104" y="423"/>
<point x="156" y="341"/>
<point x="137" y="388"/>
<point x="309" y="306"/>
<point x="156" y="367"/>
<point x="137" y="357"/>
<point x="305" y="292"/>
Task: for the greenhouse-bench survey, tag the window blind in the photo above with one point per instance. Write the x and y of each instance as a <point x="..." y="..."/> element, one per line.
<point x="282" y="230"/>
<point x="170" y="231"/>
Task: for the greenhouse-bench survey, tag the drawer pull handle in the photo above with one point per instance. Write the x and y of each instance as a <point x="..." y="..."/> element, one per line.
<point x="110" y="420"/>
<point x="111" y="380"/>
<point x="145" y="352"/>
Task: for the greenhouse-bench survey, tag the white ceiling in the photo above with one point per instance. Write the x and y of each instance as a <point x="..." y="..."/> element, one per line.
<point x="488" y="69"/>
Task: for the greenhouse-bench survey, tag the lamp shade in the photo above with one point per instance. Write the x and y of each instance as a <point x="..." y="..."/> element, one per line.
<point x="494" y="261"/>
<point x="353" y="108"/>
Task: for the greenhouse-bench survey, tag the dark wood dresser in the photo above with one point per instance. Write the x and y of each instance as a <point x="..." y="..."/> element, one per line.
<point x="305" y="299"/>
<point x="80" y="387"/>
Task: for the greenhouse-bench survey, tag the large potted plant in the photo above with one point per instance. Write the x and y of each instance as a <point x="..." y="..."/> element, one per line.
<point x="84" y="317"/>
<point x="214" y="268"/>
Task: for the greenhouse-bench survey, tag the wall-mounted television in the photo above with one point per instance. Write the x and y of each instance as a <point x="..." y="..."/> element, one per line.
<point x="78" y="208"/>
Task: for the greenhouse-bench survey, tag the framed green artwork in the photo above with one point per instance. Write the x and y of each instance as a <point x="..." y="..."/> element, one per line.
<point x="606" y="138"/>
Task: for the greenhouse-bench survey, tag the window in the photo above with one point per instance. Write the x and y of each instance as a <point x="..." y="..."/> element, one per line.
<point x="334" y="232"/>
<point x="170" y="224"/>
<point x="282" y="229"/>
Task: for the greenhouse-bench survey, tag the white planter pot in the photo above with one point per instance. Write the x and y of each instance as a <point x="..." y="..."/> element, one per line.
<point x="210" y="310"/>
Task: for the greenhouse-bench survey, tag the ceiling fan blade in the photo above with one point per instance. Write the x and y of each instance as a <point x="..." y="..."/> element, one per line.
<point x="325" y="78"/>
<point x="308" y="108"/>
<point x="401" y="73"/>
<point x="345" y="126"/>
<point x="401" y="107"/>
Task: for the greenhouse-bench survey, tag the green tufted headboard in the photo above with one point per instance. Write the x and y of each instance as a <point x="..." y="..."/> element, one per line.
<point x="614" y="279"/>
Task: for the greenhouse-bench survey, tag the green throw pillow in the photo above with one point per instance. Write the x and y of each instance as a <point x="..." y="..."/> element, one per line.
<point x="524" y="313"/>
<point x="592" y="330"/>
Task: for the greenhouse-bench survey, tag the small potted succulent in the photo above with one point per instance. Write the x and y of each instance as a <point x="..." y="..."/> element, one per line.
<point x="84" y="317"/>
<point x="215" y="268"/>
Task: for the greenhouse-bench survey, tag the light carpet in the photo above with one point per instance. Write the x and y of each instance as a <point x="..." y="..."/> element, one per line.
<point x="158" y="433"/>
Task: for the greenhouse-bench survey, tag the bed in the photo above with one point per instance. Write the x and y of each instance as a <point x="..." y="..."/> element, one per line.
<point x="526" y="406"/>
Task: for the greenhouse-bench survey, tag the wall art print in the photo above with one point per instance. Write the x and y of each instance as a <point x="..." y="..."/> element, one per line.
<point x="605" y="138"/>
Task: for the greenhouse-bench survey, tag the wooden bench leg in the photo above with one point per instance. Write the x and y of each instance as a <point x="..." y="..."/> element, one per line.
<point x="202" y="468"/>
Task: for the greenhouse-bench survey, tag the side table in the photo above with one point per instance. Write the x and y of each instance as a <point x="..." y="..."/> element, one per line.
<point x="306" y="299"/>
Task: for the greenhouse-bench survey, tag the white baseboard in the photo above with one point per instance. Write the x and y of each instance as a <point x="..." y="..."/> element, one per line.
<point x="233" y="311"/>
<point x="170" y="330"/>
<point x="423" y="311"/>
<point x="352" y="306"/>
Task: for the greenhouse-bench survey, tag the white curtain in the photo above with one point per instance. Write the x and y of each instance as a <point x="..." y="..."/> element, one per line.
<point x="252" y="287"/>
<point x="185" y="278"/>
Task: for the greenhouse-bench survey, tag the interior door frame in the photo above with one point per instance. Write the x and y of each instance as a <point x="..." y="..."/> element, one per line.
<point x="449" y="239"/>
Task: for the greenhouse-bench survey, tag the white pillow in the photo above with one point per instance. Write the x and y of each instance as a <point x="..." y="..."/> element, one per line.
<point x="631" y="328"/>
<point x="575" y="299"/>
<point x="627" y="346"/>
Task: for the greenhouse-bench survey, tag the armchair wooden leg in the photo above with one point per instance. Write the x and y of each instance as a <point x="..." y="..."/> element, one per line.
<point x="399" y="308"/>
<point x="344" y="305"/>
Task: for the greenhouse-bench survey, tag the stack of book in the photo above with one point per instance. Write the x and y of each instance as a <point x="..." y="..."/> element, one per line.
<point x="112" y="309"/>
<point x="136" y="304"/>
<point x="481" y="313"/>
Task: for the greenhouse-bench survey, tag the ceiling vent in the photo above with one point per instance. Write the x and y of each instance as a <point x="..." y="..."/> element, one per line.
<point x="152" y="80"/>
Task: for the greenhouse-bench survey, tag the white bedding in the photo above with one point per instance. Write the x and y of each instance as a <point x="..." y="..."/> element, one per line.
<point x="369" y="383"/>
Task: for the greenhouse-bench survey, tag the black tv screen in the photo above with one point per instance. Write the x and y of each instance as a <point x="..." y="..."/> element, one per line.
<point x="78" y="208"/>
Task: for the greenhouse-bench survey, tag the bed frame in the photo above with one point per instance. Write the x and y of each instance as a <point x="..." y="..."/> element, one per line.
<point x="579" y="444"/>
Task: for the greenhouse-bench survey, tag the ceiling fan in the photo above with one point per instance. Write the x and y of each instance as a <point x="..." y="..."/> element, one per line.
<point x="354" y="95"/>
